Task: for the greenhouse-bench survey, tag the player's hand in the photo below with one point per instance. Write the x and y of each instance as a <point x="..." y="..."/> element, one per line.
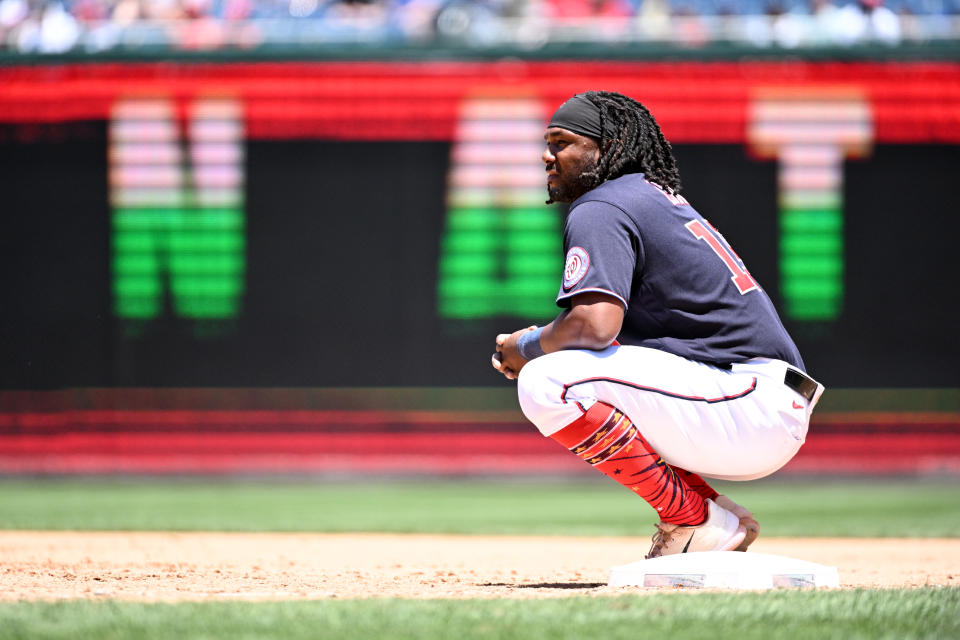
<point x="507" y="360"/>
<point x="497" y="361"/>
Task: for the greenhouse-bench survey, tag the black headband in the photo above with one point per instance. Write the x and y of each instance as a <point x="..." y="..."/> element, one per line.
<point x="580" y="115"/>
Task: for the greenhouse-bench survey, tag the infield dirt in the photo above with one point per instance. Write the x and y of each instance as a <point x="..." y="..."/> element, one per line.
<point x="203" y="566"/>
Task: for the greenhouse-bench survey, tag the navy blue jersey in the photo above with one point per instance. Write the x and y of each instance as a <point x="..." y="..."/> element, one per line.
<point x="684" y="288"/>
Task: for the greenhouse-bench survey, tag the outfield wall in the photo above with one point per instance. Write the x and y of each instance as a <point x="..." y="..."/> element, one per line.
<point x="180" y="237"/>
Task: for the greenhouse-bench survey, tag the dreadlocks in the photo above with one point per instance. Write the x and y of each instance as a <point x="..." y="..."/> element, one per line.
<point x="631" y="143"/>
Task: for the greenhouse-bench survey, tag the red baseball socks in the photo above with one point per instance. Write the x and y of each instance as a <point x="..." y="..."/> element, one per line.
<point x="606" y="439"/>
<point x="696" y="483"/>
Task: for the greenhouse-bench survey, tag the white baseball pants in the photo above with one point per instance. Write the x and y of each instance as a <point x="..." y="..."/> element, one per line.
<point x="737" y="424"/>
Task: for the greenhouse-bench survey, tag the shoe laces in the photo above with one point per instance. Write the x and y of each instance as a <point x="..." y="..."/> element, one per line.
<point x="660" y="539"/>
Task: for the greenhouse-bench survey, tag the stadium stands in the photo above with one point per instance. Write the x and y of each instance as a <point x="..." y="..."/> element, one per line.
<point x="93" y="26"/>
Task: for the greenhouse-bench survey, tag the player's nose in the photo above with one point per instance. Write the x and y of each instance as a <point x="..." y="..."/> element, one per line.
<point x="547" y="157"/>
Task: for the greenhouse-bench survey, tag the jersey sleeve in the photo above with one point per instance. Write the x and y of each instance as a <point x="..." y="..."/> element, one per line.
<point x="603" y="250"/>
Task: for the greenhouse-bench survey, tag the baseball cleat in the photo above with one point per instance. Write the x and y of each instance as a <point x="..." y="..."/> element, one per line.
<point x="721" y="532"/>
<point x="746" y="519"/>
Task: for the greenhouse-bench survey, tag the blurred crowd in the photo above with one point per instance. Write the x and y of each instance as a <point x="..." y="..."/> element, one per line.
<point x="56" y="26"/>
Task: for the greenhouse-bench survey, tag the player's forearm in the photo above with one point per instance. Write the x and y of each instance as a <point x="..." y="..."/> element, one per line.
<point x="577" y="328"/>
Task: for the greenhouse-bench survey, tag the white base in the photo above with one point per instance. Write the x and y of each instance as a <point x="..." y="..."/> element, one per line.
<point x="724" y="570"/>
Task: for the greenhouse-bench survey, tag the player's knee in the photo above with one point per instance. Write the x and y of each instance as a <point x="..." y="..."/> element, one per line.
<point x="540" y="394"/>
<point x="530" y="385"/>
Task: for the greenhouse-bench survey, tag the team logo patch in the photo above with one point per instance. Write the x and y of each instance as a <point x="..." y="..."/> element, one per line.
<point x="578" y="261"/>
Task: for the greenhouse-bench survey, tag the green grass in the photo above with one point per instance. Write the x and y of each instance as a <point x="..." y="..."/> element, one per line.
<point x="850" y="615"/>
<point x="808" y="508"/>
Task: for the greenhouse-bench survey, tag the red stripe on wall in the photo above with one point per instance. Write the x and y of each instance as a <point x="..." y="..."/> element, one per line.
<point x="34" y="422"/>
<point x="407" y="442"/>
<point x="705" y="102"/>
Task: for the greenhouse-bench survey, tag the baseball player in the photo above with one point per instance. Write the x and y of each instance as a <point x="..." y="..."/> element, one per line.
<point x="668" y="362"/>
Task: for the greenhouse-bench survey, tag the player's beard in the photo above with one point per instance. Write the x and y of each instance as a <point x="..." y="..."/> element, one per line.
<point x="572" y="182"/>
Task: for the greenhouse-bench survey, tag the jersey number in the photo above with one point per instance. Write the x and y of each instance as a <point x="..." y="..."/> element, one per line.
<point x="741" y="277"/>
